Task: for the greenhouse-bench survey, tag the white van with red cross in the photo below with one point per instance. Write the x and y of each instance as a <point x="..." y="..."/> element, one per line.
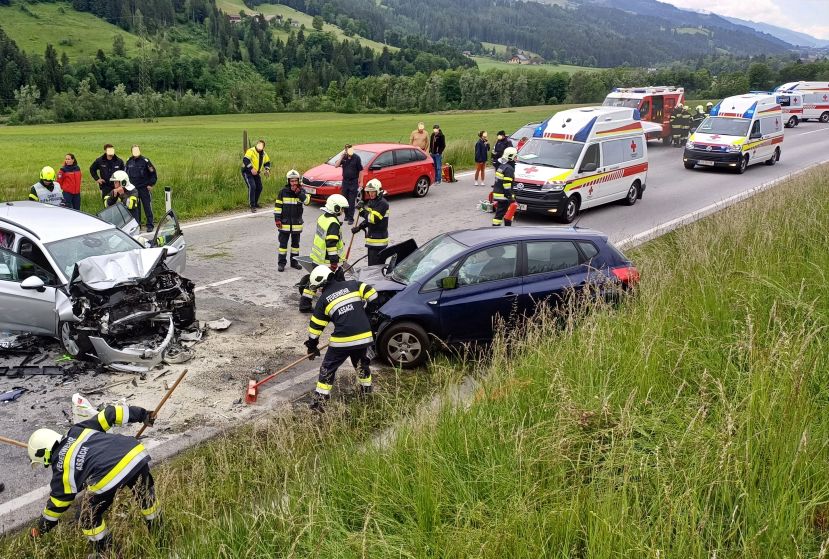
<point x="815" y="98"/>
<point x="581" y="158"/>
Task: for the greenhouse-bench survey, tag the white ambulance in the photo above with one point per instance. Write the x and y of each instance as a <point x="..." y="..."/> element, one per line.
<point x="582" y="158"/>
<point x="791" y="104"/>
<point x="815" y="98"/>
<point x="740" y="131"/>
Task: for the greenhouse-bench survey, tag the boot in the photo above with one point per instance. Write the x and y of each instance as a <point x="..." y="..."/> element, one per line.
<point x="365" y="390"/>
<point x="305" y="305"/>
<point x="295" y="265"/>
<point x="318" y="402"/>
<point x="281" y="267"/>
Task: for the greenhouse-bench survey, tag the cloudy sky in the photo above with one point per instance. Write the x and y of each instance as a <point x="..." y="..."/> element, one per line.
<point x="806" y="16"/>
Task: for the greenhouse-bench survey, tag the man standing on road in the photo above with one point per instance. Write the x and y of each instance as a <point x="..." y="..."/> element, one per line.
<point x="142" y="174"/>
<point x="502" y="193"/>
<point x="437" y="143"/>
<point x="328" y="244"/>
<point x="47" y="190"/>
<point x="254" y="163"/>
<point x="101" y="463"/>
<point x="419" y="138"/>
<point x="676" y="125"/>
<point x="375" y="215"/>
<point x="343" y="303"/>
<point x="352" y="166"/>
<point x="287" y="214"/>
<point x="502" y="142"/>
<point x="103" y="168"/>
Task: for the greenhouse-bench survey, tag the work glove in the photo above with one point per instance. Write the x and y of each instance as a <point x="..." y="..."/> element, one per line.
<point x="149" y="418"/>
<point x="360" y="204"/>
<point x="313" y="348"/>
<point x="278" y="224"/>
<point x="356" y="229"/>
<point x="34" y="532"/>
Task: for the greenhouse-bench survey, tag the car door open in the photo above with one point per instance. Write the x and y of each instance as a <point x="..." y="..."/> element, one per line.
<point x="119" y="216"/>
<point x="168" y="234"/>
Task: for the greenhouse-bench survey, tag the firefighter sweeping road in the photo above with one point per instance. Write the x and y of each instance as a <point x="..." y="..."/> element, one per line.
<point x="233" y="260"/>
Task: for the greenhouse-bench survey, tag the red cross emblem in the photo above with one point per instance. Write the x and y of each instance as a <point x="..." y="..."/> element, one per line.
<point x="715" y="137"/>
<point x="590" y="191"/>
<point x="633" y="146"/>
<point x="825" y="97"/>
<point x="531" y="170"/>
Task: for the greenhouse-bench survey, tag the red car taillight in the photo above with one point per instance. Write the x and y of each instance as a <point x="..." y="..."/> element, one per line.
<point x="628" y="275"/>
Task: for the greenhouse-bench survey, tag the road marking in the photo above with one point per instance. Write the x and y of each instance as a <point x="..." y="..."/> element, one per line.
<point x="217" y="284"/>
<point x="812" y="132"/>
<point x="224" y="219"/>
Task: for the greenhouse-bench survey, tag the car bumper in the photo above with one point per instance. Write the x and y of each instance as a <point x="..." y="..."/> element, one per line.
<point x="133" y="358"/>
<point x="548" y="203"/>
<point x="711" y="158"/>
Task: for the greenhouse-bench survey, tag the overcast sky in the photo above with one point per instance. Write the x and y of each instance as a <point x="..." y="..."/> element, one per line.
<point x="806" y="16"/>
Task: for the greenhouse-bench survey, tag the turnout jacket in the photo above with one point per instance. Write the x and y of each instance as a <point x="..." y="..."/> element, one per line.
<point x="90" y="458"/>
<point x="40" y="193"/>
<point x="130" y="200"/>
<point x="141" y="172"/>
<point x="328" y="242"/>
<point x="287" y="209"/>
<point x="343" y="303"/>
<point x="503" y="181"/>
<point x="375" y="215"/>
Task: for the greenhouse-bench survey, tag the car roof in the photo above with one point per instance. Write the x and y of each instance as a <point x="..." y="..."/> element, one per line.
<point x="49" y="223"/>
<point x="487" y="235"/>
<point x="381" y="147"/>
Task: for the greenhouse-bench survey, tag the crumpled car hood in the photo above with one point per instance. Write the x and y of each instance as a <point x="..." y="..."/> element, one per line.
<point x="373" y="275"/>
<point x="111" y="270"/>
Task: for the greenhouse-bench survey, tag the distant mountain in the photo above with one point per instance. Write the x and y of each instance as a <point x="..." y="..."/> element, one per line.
<point x="793" y="37"/>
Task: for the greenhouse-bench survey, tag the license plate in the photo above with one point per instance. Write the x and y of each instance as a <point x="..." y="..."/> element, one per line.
<point x="708" y="163"/>
<point x="522" y="207"/>
<point x="310" y="190"/>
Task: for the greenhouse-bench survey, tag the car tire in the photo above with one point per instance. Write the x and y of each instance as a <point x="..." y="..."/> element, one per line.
<point x="73" y="343"/>
<point x="421" y="187"/>
<point x="774" y="158"/>
<point x="792" y="122"/>
<point x="741" y="168"/>
<point x="824" y="118"/>
<point x="666" y="141"/>
<point x="632" y="195"/>
<point x="690" y="164"/>
<point x="570" y="209"/>
<point x="404" y="345"/>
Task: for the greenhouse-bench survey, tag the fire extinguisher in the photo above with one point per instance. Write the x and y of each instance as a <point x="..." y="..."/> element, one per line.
<point x="513" y="207"/>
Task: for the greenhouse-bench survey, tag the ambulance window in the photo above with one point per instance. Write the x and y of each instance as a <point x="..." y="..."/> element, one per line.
<point x="612" y="152"/>
<point x="755" y="128"/>
<point x="784" y="101"/>
<point x="591" y="155"/>
<point x="770" y="125"/>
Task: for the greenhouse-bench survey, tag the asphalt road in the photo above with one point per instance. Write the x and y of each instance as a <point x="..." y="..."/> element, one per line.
<point x="232" y="259"/>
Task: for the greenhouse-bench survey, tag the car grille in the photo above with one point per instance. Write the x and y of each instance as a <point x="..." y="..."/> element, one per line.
<point x="533" y="193"/>
<point x="712" y="156"/>
<point x="308" y="182"/>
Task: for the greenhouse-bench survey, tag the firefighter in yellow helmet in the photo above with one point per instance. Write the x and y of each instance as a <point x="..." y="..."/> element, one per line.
<point x="47" y="190"/>
<point x="122" y="191"/>
<point x="328" y="243"/>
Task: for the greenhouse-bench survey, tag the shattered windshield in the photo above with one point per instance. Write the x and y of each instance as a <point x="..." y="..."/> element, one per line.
<point x="424" y="260"/>
<point x="551" y="153"/>
<point x="724" y="126"/>
<point x="68" y="252"/>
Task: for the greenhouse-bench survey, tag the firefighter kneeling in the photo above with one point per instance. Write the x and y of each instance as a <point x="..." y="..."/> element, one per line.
<point x="375" y="214"/>
<point x="90" y="458"/>
<point x="287" y="214"/>
<point x="343" y="303"/>
<point x="502" y="193"/>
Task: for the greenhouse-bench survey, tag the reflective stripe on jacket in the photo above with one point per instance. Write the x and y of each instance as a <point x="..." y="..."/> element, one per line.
<point x="503" y="181"/>
<point x="328" y="243"/>
<point x="343" y="303"/>
<point x="288" y="208"/>
<point x="376" y="222"/>
<point x="252" y="160"/>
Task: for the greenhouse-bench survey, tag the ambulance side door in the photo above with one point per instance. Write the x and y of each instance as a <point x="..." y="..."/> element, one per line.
<point x="590" y="166"/>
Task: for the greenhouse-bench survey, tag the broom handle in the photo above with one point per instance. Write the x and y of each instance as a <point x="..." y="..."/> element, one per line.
<point x="163" y="400"/>
<point x="351" y="242"/>
<point x="13" y="442"/>
<point x="286" y="367"/>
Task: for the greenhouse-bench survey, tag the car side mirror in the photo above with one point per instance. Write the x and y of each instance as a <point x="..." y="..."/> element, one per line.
<point x="588" y="167"/>
<point x="33" y="283"/>
<point x="449" y="282"/>
<point x="374" y="168"/>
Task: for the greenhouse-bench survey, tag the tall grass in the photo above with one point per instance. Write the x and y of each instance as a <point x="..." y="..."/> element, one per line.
<point x="688" y="421"/>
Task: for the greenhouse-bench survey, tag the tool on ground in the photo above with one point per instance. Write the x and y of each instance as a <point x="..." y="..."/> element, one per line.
<point x="13" y="442"/>
<point x="253" y="386"/>
<point x="351" y="242"/>
<point x="163" y="400"/>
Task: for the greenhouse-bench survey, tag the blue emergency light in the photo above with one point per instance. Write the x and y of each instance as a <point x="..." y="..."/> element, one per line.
<point x="715" y="110"/>
<point x="584" y="133"/>
<point x="750" y="112"/>
<point x="539" y="130"/>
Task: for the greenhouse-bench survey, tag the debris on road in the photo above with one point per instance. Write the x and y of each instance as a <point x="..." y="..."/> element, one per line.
<point x="12" y="395"/>
<point x="220" y="324"/>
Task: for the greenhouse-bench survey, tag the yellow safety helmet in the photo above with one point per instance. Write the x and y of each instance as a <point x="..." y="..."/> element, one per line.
<point x="47" y="174"/>
<point x="40" y="446"/>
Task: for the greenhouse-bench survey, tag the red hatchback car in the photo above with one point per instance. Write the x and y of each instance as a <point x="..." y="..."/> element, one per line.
<point x="402" y="169"/>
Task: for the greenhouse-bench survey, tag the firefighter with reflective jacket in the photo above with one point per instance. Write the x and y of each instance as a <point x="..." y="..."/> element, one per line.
<point x="502" y="193"/>
<point x="88" y="458"/>
<point x="676" y="125"/>
<point x="343" y="303"/>
<point x="686" y="120"/>
<point x="328" y="243"/>
<point x="123" y="191"/>
<point x="287" y="213"/>
<point x="47" y="190"/>
<point x="375" y="215"/>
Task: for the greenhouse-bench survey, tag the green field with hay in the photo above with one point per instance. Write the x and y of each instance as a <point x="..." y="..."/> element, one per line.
<point x="486" y="63"/>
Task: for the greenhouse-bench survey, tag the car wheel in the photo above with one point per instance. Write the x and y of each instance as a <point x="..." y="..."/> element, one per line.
<point x="74" y="344"/>
<point x="571" y="210"/>
<point x="633" y="194"/>
<point x="666" y="141"/>
<point x="741" y="167"/>
<point x="404" y="345"/>
<point x="824" y="118"/>
<point x="690" y="164"/>
<point x="792" y="122"/>
<point x="421" y="187"/>
<point x="774" y="158"/>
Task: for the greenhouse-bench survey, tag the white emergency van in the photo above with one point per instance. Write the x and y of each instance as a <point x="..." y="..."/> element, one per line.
<point x="582" y="158"/>
<point x="815" y="98"/>
<point x="791" y="103"/>
<point x="740" y="131"/>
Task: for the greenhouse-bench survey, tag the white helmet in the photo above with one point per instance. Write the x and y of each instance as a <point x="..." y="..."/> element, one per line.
<point x="510" y="154"/>
<point x="40" y="446"/>
<point x="335" y="204"/>
<point x="374" y="185"/>
<point x="123" y="179"/>
<point x="292" y="174"/>
<point x="319" y="276"/>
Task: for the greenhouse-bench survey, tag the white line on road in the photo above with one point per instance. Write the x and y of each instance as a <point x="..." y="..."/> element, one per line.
<point x="814" y="131"/>
<point x="223" y="219"/>
<point x="217" y="283"/>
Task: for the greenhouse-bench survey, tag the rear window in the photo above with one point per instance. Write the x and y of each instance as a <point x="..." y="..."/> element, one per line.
<point x="551" y="256"/>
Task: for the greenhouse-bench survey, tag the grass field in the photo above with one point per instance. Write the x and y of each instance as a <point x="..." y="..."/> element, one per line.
<point x="503" y="49"/>
<point x="200" y="157"/>
<point x="688" y="421"/>
<point x="78" y="34"/>
<point x="485" y="63"/>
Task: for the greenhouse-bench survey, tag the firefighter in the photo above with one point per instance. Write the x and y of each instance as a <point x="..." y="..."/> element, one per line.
<point x="708" y="106"/>
<point x="254" y="163"/>
<point x="698" y="117"/>
<point x="47" y="190"/>
<point x="343" y="303"/>
<point x="88" y="458"/>
<point x="676" y="125"/>
<point x="123" y="191"/>
<point x="375" y="214"/>
<point x="502" y="193"/>
<point x="328" y="243"/>
<point x="287" y="213"/>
